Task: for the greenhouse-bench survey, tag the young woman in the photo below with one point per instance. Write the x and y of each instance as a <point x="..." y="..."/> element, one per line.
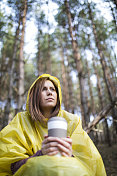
<point x="26" y="150"/>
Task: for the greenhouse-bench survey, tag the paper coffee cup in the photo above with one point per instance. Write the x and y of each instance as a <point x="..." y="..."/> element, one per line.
<point x="57" y="127"/>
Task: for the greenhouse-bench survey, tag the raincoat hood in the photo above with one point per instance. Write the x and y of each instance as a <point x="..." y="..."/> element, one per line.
<point x="51" y="78"/>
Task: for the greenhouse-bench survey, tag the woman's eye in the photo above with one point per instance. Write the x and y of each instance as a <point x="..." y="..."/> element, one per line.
<point x="52" y="88"/>
<point x="44" y="88"/>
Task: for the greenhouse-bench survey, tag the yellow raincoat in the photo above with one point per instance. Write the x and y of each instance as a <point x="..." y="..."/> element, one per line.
<point x="21" y="139"/>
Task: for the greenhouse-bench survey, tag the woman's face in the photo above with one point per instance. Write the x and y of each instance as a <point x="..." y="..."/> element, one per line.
<point x="48" y="96"/>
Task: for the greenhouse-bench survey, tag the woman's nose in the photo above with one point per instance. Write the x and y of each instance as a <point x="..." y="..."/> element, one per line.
<point x="49" y="92"/>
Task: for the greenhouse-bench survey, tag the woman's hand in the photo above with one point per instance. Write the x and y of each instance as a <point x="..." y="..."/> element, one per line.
<point x="52" y="145"/>
<point x="65" y="146"/>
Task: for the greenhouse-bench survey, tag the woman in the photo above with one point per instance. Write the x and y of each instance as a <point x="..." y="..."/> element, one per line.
<point x="25" y="148"/>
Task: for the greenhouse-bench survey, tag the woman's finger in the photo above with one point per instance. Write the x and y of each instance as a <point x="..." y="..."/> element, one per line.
<point x="64" y="149"/>
<point x="46" y="151"/>
<point x="64" y="154"/>
<point x="51" y="139"/>
<point x="53" y="153"/>
<point x="69" y="140"/>
<point x="51" y="149"/>
<point x="65" y="143"/>
<point x="51" y="144"/>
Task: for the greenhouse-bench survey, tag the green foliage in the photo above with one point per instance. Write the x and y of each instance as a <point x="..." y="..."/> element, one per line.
<point x="29" y="74"/>
<point x="2" y="24"/>
<point x="7" y="47"/>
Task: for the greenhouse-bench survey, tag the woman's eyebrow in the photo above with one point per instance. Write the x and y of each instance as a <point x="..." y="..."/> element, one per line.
<point x="44" y="87"/>
<point x="52" y="87"/>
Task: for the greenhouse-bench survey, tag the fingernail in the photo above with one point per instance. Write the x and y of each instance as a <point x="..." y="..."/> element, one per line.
<point x="45" y="136"/>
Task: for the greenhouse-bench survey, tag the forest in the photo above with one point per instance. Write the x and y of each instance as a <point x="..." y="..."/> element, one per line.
<point x="76" y="41"/>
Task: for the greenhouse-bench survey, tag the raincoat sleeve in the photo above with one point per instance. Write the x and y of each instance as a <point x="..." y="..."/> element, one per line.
<point x="15" y="143"/>
<point x="85" y="150"/>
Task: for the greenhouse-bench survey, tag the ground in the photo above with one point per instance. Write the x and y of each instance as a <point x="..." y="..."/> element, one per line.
<point x="109" y="156"/>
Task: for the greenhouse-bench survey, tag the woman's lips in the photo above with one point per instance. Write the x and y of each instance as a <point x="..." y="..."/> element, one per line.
<point x="50" y="99"/>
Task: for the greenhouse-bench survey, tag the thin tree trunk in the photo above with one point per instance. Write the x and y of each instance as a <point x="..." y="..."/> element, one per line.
<point x="113" y="74"/>
<point x="38" y="57"/>
<point x="3" y="68"/>
<point x="109" y="77"/>
<point x="90" y="90"/>
<point x="48" y="63"/>
<point x="21" y="60"/>
<point x="69" y="78"/>
<point x="85" y="117"/>
<point x="113" y="14"/>
<point x="39" y="60"/>
<point x="115" y="56"/>
<point x="11" y="78"/>
<point x="65" y="85"/>
<point x="115" y="2"/>
<point x="70" y="87"/>
<point x="98" y="84"/>
<point x="107" y="134"/>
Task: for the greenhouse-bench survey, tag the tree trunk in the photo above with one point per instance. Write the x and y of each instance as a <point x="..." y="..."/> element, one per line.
<point x="114" y="53"/>
<point x="48" y="63"/>
<point x="11" y="78"/>
<point x="106" y="133"/>
<point x="109" y="76"/>
<point x="113" y="14"/>
<point x="69" y="78"/>
<point x="113" y="74"/>
<point x="85" y="117"/>
<point x="3" y="68"/>
<point x="115" y="2"/>
<point x="21" y="60"/>
<point x="39" y="60"/>
<point x="64" y="78"/>
<point x="70" y="87"/>
<point x="90" y="90"/>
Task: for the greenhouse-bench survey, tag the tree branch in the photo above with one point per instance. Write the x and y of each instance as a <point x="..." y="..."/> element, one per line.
<point x="101" y="115"/>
